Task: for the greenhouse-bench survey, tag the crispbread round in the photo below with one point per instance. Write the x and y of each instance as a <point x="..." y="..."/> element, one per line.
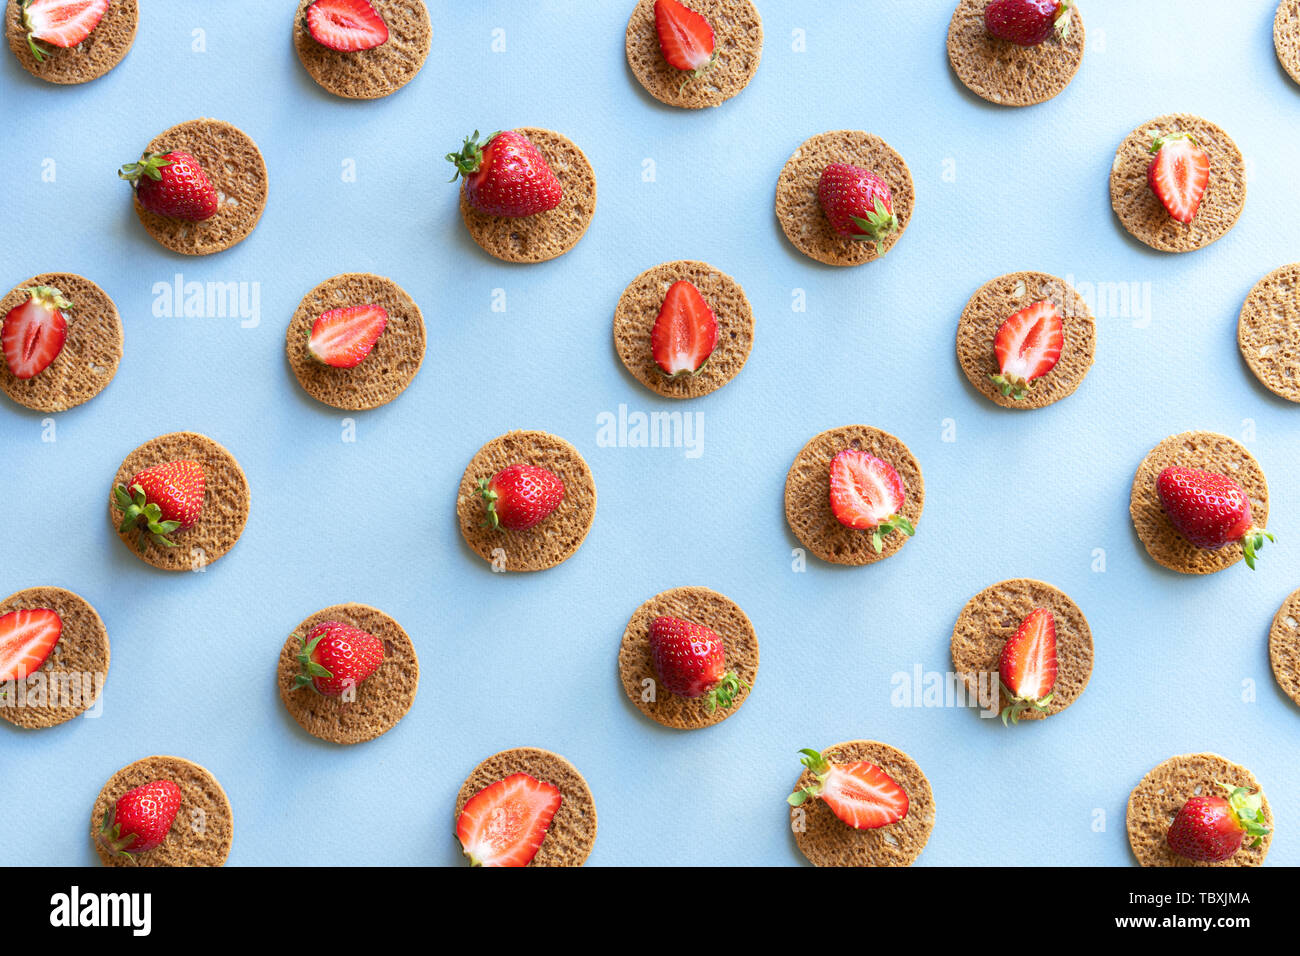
<point x="104" y="49"/>
<point x="1141" y="211"/>
<point x="1006" y="73"/>
<point x="639" y="306"/>
<point x="234" y="164"/>
<point x="547" y="234"/>
<point x="204" y="826"/>
<point x="1268" y="331"/>
<point x="827" y="841"/>
<point x="1208" y="452"/>
<point x="369" y="74"/>
<point x="558" y="535"/>
<point x="808" y="495"/>
<point x="225" y="502"/>
<point x="1155" y="802"/>
<point x="1284" y="646"/>
<point x="572" y="831"/>
<point x="995" y="302"/>
<point x="800" y="211"/>
<point x="382" y="699"/>
<point x="391" y="364"/>
<point x="699" y="606"/>
<point x="90" y="353"/>
<point x="738" y="46"/>
<point x="1286" y="37"/>
<point x="82" y="654"/>
<point x="991" y="617"/>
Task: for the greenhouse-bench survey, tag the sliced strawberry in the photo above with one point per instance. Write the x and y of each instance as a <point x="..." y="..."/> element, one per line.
<point x="34" y="331"/>
<point x="685" y="333"/>
<point x="344" y="337"/>
<point x="685" y="37"/>
<point x="346" y="25"/>
<point x="860" y="794"/>
<point x="505" y="823"/>
<point x="1027" y="665"/>
<point x="1028" y="346"/>
<point x="867" y="494"/>
<point x="61" y="23"/>
<point x="26" y="640"/>
<point x="1179" y="174"/>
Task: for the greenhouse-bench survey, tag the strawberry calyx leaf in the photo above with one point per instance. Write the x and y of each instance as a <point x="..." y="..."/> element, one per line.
<point x="141" y="513"/>
<point x="1010" y="386"/>
<point x="49" y="296"/>
<point x="698" y="72"/>
<point x="1248" y="809"/>
<point x="148" y="166"/>
<point x="1251" y="544"/>
<point x="310" y="669"/>
<point x="724" y="692"/>
<point x="470" y="157"/>
<point x="1018" y="705"/>
<point x="1161" y="139"/>
<point x="489" y="497"/>
<point x="1062" y="23"/>
<point x="876" y="225"/>
<point x="110" y="835"/>
<point x="892" y="523"/>
<point x="820" y="768"/>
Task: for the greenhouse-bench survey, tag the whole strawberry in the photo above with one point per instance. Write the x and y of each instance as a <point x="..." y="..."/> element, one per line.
<point x="173" y="185"/>
<point x="1210" y="828"/>
<point x="690" y="660"/>
<point x="162" y="499"/>
<point x="506" y="176"/>
<point x="519" y="496"/>
<point x="857" y="202"/>
<point x="1027" y="22"/>
<point x="336" y="657"/>
<point x="1209" y="510"/>
<point x="141" y="818"/>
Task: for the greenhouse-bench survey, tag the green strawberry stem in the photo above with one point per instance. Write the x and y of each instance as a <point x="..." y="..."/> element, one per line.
<point x="490" y="503"/>
<point x="1251" y="543"/>
<point x="876" y="225"/>
<point x="139" y="512"/>
<point x="698" y="72"/>
<point x="110" y="834"/>
<point x="470" y="157"/>
<point x="149" y="165"/>
<point x="1248" y="807"/>
<point x="1160" y="140"/>
<point x="42" y="294"/>
<point x="1013" y="388"/>
<point x="892" y="523"/>
<point x="725" y="691"/>
<point x="1019" y="705"/>
<point x="310" y="669"/>
<point x="820" y="767"/>
<point x="1063" y="19"/>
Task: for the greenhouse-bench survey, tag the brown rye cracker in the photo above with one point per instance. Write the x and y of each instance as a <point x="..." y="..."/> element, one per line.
<point x="991" y="617"/>
<point x="995" y="302"/>
<point x="1140" y="210"/>
<point x="81" y="654"/>
<point x="557" y="536"/>
<point x="392" y="363"/>
<point x="808" y="491"/>
<point x="826" y="840"/>
<point x="1155" y="802"/>
<point x="1208" y="452"/>
<point x="1286" y="37"/>
<point x="225" y="502"/>
<point x="799" y="210"/>
<point x="1268" y="331"/>
<point x="638" y="308"/>
<point x="547" y="234"/>
<point x="699" y="606"/>
<point x="1284" y="646"/>
<point x="572" y="831"/>
<point x="90" y="354"/>
<point x="104" y="49"/>
<point x="382" y="699"/>
<point x="1006" y="73"/>
<point x="369" y="74"/>
<point x="235" y="166"/>
<point x="738" y="47"/>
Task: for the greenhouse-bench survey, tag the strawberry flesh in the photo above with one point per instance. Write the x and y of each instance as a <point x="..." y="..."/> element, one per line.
<point x="505" y="823"/>
<point x="861" y="794"/>
<point x="1027" y="665"/>
<point x="346" y="25"/>
<point x="1028" y="346"/>
<point x="344" y="337"/>
<point x="685" y="36"/>
<point x="508" y="176"/>
<point x="685" y="333"/>
<point x="1178" y="175"/>
<point x="34" y="332"/>
<point x="26" y="639"/>
<point x="60" y="23"/>
<point x="866" y="494"/>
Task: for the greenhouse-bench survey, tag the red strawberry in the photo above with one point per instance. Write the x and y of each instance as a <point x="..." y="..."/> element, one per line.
<point x="519" y="496"/>
<point x="691" y="662"/>
<point x="685" y="333"/>
<point x="141" y="818"/>
<point x="61" y="23"/>
<point x="1027" y="665"/>
<point x="34" y="331"/>
<point x="173" y="185"/>
<point x="867" y="494"/>
<point x="1028" y="346"/>
<point x="1027" y="22"/>
<point x="857" y="202"/>
<point x="162" y="499"/>
<point x="685" y="38"/>
<point x="1209" y="510"/>
<point x="1209" y="829"/>
<point x="506" y="176"/>
<point x="336" y="657"/>
<point x="344" y="337"/>
<point x="860" y="794"/>
<point x="1178" y="174"/>
<point x="26" y="639"/>
<point x="346" y="25"/>
<point x="505" y="823"/>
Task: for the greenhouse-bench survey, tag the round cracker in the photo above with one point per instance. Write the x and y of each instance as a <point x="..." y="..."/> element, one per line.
<point x="558" y="535"/>
<point x="808" y="495"/>
<point x="699" y="606"/>
<point x="81" y="653"/>
<point x="639" y="306"/>
<point x="547" y="234"/>
<point x="391" y="364"/>
<point x="1141" y="211"/>
<point x="827" y="841"/>
<point x="738" y="47"/>
<point x="204" y="826"/>
<point x="369" y="74"/>
<point x="991" y="617"/>
<point x="572" y="831"/>
<point x="1286" y="37"/>
<point x="90" y="354"/>
<point x="1284" y="646"/>
<point x="800" y="212"/>
<point x="1268" y="331"/>
<point x="995" y="302"/>
<point x="104" y="49"/>
<point x="1155" y="802"/>
<point x="225" y="502"/>
<point x="1006" y="73"/>
<point x="1209" y="452"/>
<point x="382" y="699"/>
<point x="235" y="166"/>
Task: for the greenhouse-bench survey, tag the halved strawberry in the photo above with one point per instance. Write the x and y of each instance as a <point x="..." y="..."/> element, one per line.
<point x="34" y="331"/>
<point x="346" y="25"/>
<point x="860" y="794"/>
<point x="1178" y="174"/>
<point x="26" y="640"/>
<point x="685" y="37"/>
<point x="1027" y="665"/>
<point x="505" y="823"/>
<point x="344" y="337"/>
<point x="61" y="23"/>
<point x="1028" y="346"/>
<point x="685" y="333"/>
<point x="867" y="494"/>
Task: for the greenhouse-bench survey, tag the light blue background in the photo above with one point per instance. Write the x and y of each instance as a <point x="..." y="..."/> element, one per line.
<point x="530" y="659"/>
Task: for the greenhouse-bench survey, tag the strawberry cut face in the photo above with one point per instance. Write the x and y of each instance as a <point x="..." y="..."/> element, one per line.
<point x="27" y="638"/>
<point x="685" y="36"/>
<point x="861" y="794"/>
<point x="1028" y="665"/>
<point x="1027" y="346"/>
<point x="866" y="494"/>
<point x="60" y="23"/>
<point x="34" y="332"/>
<point x="685" y="333"/>
<point x="344" y="337"/>
<point x="348" y="26"/>
<point x="505" y="823"/>
<point x="1179" y="174"/>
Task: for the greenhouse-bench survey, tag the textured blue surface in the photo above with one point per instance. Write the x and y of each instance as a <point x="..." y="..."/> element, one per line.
<point x="530" y="659"/>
